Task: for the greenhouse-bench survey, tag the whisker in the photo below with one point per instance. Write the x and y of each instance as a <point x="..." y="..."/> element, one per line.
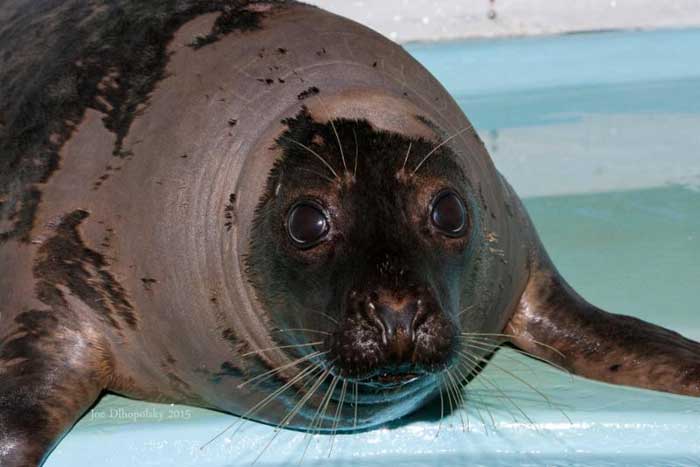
<point x="331" y="391"/>
<point x="449" y="397"/>
<point x="478" y="412"/>
<point x="302" y="329"/>
<point x="465" y="310"/>
<point x="335" y="174"/>
<point x="540" y="393"/>
<point x="442" y="408"/>
<point x="510" y="412"/>
<point x="465" y="374"/>
<point x="485" y="346"/>
<point x="279" y="347"/>
<point x="292" y="413"/>
<point x="319" y="415"/>
<point x="544" y="396"/>
<point x="511" y="358"/>
<point x="281" y="368"/>
<point x="408" y="152"/>
<point x="468" y="127"/>
<point x="495" y="386"/>
<point x="354" y="423"/>
<point x="459" y="399"/>
<point x="258" y="406"/>
<point x="488" y="341"/>
<point x="357" y="153"/>
<point x="338" y="409"/>
<point x="316" y="386"/>
<point x="340" y="146"/>
<point x="542" y="344"/>
<point x="330" y="318"/>
<point x="303" y="169"/>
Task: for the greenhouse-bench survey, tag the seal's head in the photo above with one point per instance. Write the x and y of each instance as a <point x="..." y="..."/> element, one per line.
<point x="363" y="238"/>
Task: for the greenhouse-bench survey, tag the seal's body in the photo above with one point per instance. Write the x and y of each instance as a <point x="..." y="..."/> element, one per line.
<point x="266" y="209"/>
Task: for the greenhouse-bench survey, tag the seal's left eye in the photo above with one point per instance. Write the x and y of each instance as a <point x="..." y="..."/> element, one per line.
<point x="449" y="214"/>
<point x="307" y="224"/>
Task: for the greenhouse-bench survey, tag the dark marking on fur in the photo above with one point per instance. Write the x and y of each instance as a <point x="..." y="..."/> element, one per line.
<point x="100" y="180"/>
<point x="312" y="91"/>
<point x="227" y="369"/>
<point x="169" y="359"/>
<point x="234" y="17"/>
<point x="229" y="335"/>
<point x="82" y="57"/>
<point x="230" y="212"/>
<point x="65" y="261"/>
<point x="148" y="283"/>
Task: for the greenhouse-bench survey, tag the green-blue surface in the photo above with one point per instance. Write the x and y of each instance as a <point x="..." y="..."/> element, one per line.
<point x="601" y="134"/>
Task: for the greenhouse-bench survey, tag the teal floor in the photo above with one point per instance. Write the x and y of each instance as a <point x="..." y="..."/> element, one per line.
<point x="600" y="133"/>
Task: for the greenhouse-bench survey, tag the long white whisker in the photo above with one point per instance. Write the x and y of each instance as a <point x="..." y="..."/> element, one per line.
<point x="495" y="386"/>
<point x="465" y="310"/>
<point x="338" y="410"/>
<point x="354" y="423"/>
<point x="357" y="153"/>
<point x="335" y="174"/>
<point x="427" y="156"/>
<point x="316" y="173"/>
<point x="292" y="413"/>
<point x="478" y="412"/>
<point x="259" y="405"/>
<point x="302" y="329"/>
<point x="459" y="400"/>
<point x="485" y="347"/>
<point x="542" y="344"/>
<point x="337" y="137"/>
<point x="442" y="407"/>
<point x="510" y="412"/>
<point x="290" y="346"/>
<point x="484" y="342"/>
<point x="330" y="318"/>
<point x="319" y="415"/>
<point x="281" y="368"/>
<point x="540" y="393"/>
<point x="408" y="153"/>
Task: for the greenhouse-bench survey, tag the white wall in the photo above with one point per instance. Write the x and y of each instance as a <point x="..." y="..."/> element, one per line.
<point x="411" y="20"/>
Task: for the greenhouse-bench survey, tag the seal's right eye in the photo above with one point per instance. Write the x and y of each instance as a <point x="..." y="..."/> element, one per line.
<point x="307" y="224"/>
<point x="449" y="214"/>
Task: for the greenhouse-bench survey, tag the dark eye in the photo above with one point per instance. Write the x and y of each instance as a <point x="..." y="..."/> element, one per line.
<point x="449" y="214"/>
<point x="307" y="224"/>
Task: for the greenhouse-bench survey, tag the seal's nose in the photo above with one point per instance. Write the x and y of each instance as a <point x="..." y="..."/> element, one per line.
<point x="398" y="322"/>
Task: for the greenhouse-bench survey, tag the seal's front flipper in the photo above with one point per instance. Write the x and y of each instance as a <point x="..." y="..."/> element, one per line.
<point x="553" y="322"/>
<point x="51" y="372"/>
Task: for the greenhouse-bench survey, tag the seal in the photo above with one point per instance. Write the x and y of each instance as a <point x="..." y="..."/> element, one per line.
<point x="262" y="208"/>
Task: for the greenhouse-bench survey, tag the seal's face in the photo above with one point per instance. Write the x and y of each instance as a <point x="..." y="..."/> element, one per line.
<point x="364" y="251"/>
